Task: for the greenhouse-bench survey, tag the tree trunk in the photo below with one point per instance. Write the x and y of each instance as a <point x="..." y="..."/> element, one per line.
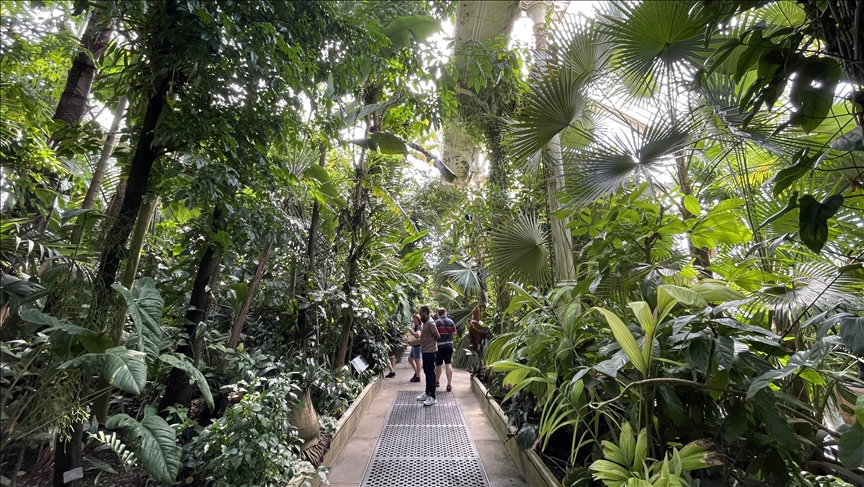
<point x="562" y="242"/>
<point x="303" y="316"/>
<point x="142" y="224"/>
<point x="355" y="251"/>
<point x="240" y="319"/>
<point x="67" y="455"/>
<point x="136" y="187"/>
<point x="73" y="101"/>
<point x="101" y="165"/>
<point x="179" y="390"/>
<point x="700" y="255"/>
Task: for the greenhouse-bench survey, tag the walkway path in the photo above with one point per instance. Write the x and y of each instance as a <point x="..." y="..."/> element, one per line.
<point x="400" y="443"/>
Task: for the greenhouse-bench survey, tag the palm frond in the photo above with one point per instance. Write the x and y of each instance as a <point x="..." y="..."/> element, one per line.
<point x="817" y="286"/>
<point x="556" y="101"/>
<point x="462" y="276"/>
<point x="612" y="159"/>
<point x="655" y="39"/>
<point x="518" y="251"/>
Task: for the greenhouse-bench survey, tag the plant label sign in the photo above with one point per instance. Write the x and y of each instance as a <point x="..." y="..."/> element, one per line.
<point x="74" y="474"/>
<point x="359" y="364"/>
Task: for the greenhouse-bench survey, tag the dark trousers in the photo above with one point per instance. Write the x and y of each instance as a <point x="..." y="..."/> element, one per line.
<point x="429" y="371"/>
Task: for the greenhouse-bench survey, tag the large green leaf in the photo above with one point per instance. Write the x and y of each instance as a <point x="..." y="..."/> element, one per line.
<point x="686" y="296"/>
<point x="851" y="447"/>
<point x="123" y="368"/>
<point x="812" y="91"/>
<point x="144" y="304"/>
<point x="153" y="441"/>
<point x="182" y="362"/>
<point x="852" y="334"/>
<point x="644" y="315"/>
<point x="716" y="291"/>
<point x="804" y="161"/>
<point x="625" y="339"/>
<point x="93" y="341"/>
<point x="859" y="409"/>
<point x="813" y="219"/>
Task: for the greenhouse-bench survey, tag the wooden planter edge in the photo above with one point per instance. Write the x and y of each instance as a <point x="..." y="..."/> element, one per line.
<point x="348" y="423"/>
<point x="532" y="467"/>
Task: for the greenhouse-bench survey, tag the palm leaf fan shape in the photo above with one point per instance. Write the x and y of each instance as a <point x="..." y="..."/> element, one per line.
<point x="656" y="39"/>
<point x="460" y="274"/>
<point x="813" y="288"/>
<point x="518" y="251"/>
<point x="613" y="158"/>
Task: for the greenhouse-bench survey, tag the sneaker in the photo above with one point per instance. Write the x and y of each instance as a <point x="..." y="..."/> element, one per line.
<point x="414" y="379"/>
<point x="449" y="389"/>
<point x="422" y="397"/>
<point x="429" y="401"/>
<point x="390" y="375"/>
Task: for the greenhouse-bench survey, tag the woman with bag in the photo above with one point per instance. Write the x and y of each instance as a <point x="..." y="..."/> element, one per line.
<point x="414" y="356"/>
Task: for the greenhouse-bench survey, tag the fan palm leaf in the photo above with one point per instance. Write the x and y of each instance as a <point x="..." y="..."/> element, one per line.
<point x="656" y="39"/>
<point x="578" y="54"/>
<point x="556" y="101"/>
<point x="613" y="158"/>
<point x="461" y="275"/>
<point x="518" y="251"/>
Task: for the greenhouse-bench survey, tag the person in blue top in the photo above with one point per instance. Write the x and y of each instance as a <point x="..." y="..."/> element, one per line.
<point x="447" y="329"/>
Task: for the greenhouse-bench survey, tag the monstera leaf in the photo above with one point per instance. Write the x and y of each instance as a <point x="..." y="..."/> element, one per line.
<point x="153" y="441"/>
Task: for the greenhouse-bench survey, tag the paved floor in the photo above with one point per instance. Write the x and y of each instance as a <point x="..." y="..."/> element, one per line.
<point x="350" y="468"/>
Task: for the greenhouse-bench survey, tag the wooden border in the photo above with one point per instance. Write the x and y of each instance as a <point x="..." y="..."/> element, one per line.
<point x="348" y="423"/>
<point x="532" y="467"/>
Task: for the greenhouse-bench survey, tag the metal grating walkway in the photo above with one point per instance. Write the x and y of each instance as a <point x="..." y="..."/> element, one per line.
<point x="424" y="446"/>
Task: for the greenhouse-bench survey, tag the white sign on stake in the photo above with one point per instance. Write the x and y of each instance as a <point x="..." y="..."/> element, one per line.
<point x="359" y="364"/>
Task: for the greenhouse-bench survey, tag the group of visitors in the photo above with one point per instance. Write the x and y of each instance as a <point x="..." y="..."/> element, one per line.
<point x="434" y="354"/>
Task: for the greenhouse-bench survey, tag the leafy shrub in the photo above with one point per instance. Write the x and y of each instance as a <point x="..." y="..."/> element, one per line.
<point x="253" y="444"/>
<point x="332" y="395"/>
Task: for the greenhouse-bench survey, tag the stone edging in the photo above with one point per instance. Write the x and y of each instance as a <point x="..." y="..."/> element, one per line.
<point x="348" y="423"/>
<point x="532" y="467"/>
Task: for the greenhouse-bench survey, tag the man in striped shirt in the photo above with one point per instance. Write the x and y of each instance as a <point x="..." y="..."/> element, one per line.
<point x="447" y="329"/>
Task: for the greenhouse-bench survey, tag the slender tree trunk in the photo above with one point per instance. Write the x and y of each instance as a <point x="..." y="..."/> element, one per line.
<point x="136" y="187"/>
<point x="354" y="253"/>
<point x="240" y="319"/>
<point x="73" y="102"/>
<point x="142" y="225"/>
<point x="107" y="151"/>
<point x="303" y="316"/>
<point x="700" y="255"/>
<point x="562" y="242"/>
<point x="136" y="245"/>
<point x="101" y="165"/>
<point x="179" y="390"/>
